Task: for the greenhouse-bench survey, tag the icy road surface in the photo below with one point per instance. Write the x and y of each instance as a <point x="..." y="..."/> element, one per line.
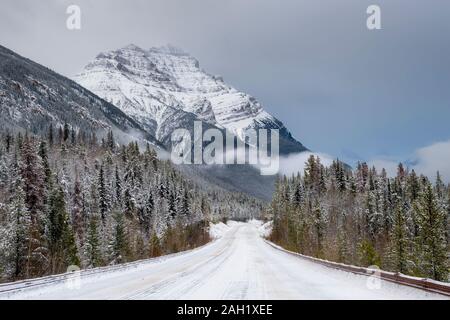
<point x="239" y="265"/>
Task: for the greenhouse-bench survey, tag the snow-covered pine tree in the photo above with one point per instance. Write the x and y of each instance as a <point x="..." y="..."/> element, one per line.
<point x="15" y="237"/>
<point x="103" y="194"/>
<point x="447" y="220"/>
<point x="319" y="227"/>
<point x="32" y="178"/>
<point x="32" y="174"/>
<point x="439" y="187"/>
<point x="110" y="142"/>
<point x="147" y="214"/>
<point x="78" y="218"/>
<point x="118" y="187"/>
<point x="183" y="203"/>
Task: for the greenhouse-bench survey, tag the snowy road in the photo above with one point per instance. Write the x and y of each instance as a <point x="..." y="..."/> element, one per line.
<point x="240" y="265"/>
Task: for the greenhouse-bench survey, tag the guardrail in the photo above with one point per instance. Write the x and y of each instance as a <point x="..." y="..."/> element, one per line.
<point x="398" y="278"/>
<point x="10" y="288"/>
<point x="21" y="285"/>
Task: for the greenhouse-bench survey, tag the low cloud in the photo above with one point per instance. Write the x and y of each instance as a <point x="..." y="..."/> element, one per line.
<point x="433" y="158"/>
<point x="388" y="163"/>
<point x="296" y="162"/>
<point x="427" y="160"/>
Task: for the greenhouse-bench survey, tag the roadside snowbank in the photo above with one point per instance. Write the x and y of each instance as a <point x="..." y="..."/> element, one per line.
<point x="218" y="230"/>
<point x="264" y="229"/>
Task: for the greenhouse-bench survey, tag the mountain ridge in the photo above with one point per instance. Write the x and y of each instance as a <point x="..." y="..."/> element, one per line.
<point x="152" y="85"/>
<point x="32" y="96"/>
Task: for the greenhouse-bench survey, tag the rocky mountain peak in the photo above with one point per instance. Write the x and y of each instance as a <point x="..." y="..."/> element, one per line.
<point x="151" y="86"/>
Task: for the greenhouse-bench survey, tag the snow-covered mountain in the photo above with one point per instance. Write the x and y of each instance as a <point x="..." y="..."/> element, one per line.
<point x="32" y="97"/>
<point x="147" y="94"/>
<point x="164" y="88"/>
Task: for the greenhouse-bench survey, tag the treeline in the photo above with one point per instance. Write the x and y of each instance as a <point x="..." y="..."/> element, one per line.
<point x="70" y="198"/>
<point x="365" y="218"/>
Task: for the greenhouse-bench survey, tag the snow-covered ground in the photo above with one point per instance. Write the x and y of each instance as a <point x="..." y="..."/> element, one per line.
<point x="239" y="264"/>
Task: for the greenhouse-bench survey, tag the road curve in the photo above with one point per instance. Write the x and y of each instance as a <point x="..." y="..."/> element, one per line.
<point x="240" y="265"/>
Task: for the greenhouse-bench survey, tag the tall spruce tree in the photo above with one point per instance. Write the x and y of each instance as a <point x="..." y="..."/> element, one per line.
<point x="92" y="250"/>
<point x="78" y="214"/>
<point x="119" y="241"/>
<point x="62" y="247"/>
<point x="400" y="243"/>
<point x="432" y="235"/>
<point x="103" y="193"/>
<point x="15" y="237"/>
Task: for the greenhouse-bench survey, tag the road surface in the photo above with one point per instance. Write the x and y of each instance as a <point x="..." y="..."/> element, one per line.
<point x="239" y="265"/>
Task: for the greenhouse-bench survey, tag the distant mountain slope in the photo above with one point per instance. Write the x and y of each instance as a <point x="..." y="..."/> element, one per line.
<point x="32" y="97"/>
<point x="165" y="88"/>
<point x="153" y="102"/>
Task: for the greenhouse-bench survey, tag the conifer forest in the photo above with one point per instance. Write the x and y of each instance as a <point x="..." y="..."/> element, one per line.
<point x="362" y="217"/>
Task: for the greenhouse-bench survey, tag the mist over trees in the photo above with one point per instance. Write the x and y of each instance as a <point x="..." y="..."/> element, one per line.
<point x="71" y="198"/>
<point x="365" y="218"/>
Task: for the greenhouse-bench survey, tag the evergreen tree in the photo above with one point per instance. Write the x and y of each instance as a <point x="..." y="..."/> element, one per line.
<point x="33" y="179"/>
<point x="447" y="220"/>
<point x="103" y="194"/>
<point x="8" y="142"/>
<point x="172" y="205"/>
<point x="440" y="187"/>
<point x="118" y="187"/>
<point x="400" y="241"/>
<point x="129" y="203"/>
<point x="368" y="254"/>
<point x="60" y="135"/>
<point x="43" y="153"/>
<point x="92" y="250"/>
<point x="73" y="136"/>
<point x="184" y="208"/>
<point x="413" y="186"/>
<point x="432" y="239"/>
<point x="15" y="237"/>
<point x="319" y="226"/>
<point x="154" y="246"/>
<point x="119" y="245"/>
<point x="62" y="247"/>
<point x="78" y="218"/>
<point x="66" y="132"/>
<point x="110" y="143"/>
<point x="147" y="212"/>
<point x="297" y="196"/>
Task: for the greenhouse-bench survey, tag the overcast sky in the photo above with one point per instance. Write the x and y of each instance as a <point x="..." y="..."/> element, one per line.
<point x="341" y="89"/>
